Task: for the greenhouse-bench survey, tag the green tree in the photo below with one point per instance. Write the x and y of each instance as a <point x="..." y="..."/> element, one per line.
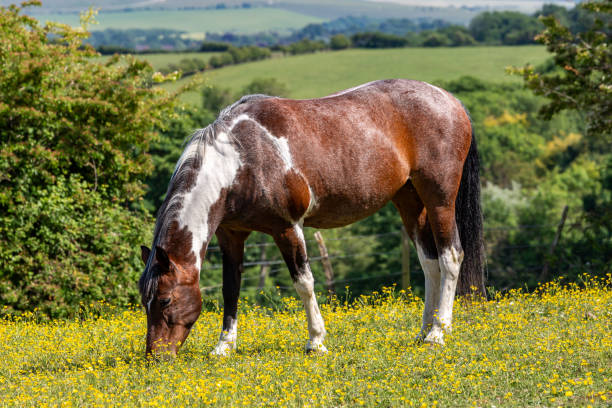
<point x="339" y="42"/>
<point x="266" y="86"/>
<point x="74" y="135"/>
<point x="504" y="27"/>
<point x="583" y="82"/>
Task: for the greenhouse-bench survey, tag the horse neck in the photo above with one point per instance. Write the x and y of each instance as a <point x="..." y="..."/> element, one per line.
<point x="197" y="201"/>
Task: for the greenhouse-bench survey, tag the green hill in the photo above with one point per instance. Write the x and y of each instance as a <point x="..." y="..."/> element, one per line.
<point x="196" y="22"/>
<point x="314" y="75"/>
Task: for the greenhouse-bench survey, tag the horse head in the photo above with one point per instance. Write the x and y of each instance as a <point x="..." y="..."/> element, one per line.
<point x="173" y="303"/>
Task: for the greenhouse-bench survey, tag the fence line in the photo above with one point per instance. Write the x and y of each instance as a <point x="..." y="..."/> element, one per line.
<point x="278" y="263"/>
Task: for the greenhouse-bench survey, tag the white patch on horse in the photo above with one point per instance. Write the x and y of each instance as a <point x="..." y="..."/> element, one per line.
<point x="281" y="144"/>
<point x="304" y="286"/>
<point x="450" y="264"/>
<point x="220" y="164"/>
<point x="312" y="201"/>
<point x="227" y="340"/>
<point x="431" y="270"/>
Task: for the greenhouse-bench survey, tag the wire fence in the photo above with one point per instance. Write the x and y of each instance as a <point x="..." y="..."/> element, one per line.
<point x="507" y="259"/>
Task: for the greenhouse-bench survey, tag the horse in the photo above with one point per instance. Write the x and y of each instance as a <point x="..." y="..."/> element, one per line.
<point x="277" y="165"/>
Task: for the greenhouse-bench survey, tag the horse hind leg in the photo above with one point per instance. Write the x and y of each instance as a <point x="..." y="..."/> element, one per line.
<point x="232" y="248"/>
<point x="439" y="199"/>
<point x="293" y="248"/>
<point x="414" y="217"/>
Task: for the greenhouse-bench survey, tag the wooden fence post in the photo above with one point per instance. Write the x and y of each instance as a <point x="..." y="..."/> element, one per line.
<point x="405" y="259"/>
<point x="327" y="267"/>
<point x="544" y="275"/>
<point x="264" y="269"/>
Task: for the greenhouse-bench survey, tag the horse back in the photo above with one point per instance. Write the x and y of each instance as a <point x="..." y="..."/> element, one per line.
<point x="331" y="161"/>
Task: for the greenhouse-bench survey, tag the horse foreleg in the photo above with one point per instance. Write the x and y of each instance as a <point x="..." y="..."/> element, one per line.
<point x="293" y="247"/>
<point x="232" y="248"/>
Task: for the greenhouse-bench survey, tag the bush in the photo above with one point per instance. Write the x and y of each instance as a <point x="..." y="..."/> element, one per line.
<point x="214" y="46"/>
<point x="378" y="40"/>
<point x="339" y="42"/>
<point x="266" y="86"/>
<point x="74" y="136"/>
<point x="305" y="46"/>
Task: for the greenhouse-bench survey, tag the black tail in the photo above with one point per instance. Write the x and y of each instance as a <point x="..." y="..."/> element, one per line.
<point x="468" y="215"/>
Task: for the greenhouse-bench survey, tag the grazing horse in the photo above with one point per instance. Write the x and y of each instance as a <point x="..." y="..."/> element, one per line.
<point x="278" y="165"/>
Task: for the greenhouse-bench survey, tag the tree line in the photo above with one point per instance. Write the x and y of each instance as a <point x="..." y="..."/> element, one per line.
<point x="487" y="28"/>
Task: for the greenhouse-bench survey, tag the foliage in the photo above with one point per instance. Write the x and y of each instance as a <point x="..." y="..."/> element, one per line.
<point x="266" y="86"/>
<point x="187" y="66"/>
<point x="66" y="246"/>
<point x="504" y="27"/>
<point x="583" y="82"/>
<point x="142" y="39"/>
<point x="238" y="55"/>
<point x="74" y="136"/>
<point x="551" y="348"/>
<point x="305" y="46"/>
<point x="377" y="40"/>
<point x="210" y="46"/>
<point x="339" y="42"/>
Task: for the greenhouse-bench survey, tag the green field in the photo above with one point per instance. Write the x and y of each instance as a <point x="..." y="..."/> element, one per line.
<point x="319" y="74"/>
<point x="548" y="349"/>
<point x="200" y="21"/>
<point x="324" y="9"/>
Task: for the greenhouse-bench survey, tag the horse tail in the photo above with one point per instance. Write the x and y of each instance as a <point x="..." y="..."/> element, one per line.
<point x="468" y="215"/>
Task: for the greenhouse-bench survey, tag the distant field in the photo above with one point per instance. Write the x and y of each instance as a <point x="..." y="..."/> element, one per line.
<point x="243" y="21"/>
<point x="162" y="60"/>
<point x="315" y="75"/>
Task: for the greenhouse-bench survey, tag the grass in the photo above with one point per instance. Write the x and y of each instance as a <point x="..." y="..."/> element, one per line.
<point x="198" y="21"/>
<point x="550" y="348"/>
<point x="314" y="75"/>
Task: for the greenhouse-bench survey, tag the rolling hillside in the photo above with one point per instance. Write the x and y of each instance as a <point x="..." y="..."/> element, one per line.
<point x="313" y="75"/>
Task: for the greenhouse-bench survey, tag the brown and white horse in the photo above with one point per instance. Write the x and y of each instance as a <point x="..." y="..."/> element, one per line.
<point x="278" y="165"/>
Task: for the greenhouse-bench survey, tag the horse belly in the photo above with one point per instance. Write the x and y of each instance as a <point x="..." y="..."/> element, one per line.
<point x="356" y="199"/>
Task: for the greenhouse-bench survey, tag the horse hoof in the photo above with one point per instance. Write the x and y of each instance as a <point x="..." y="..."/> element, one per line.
<point x="317" y="348"/>
<point x="222" y="350"/>
<point x="436" y="336"/>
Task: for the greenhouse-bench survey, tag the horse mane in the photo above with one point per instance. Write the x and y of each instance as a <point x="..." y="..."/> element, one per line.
<point x="181" y="181"/>
<point x="183" y="178"/>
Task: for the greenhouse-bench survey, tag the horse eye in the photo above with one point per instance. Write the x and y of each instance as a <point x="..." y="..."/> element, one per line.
<point x="164" y="302"/>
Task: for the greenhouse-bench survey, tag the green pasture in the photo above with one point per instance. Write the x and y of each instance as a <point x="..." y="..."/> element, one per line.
<point x="548" y="349"/>
<point x="314" y="75"/>
<point x="199" y="21"/>
<point x="324" y="9"/>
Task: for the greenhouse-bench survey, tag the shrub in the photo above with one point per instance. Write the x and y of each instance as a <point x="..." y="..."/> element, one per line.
<point x="339" y="42"/>
<point x="74" y="136"/>
<point x="378" y="40"/>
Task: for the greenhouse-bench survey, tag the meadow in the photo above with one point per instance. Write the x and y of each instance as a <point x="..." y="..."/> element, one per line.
<point x="548" y="348"/>
<point x="195" y="21"/>
<point x="319" y="74"/>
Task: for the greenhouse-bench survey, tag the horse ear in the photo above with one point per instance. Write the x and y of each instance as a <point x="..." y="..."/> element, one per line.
<point x="144" y="253"/>
<point x="162" y="257"/>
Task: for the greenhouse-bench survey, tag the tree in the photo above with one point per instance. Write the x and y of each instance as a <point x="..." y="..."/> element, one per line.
<point x="583" y="82"/>
<point x="339" y="42"/>
<point x="504" y="27"/>
<point x="74" y="135"/>
<point x="266" y="86"/>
